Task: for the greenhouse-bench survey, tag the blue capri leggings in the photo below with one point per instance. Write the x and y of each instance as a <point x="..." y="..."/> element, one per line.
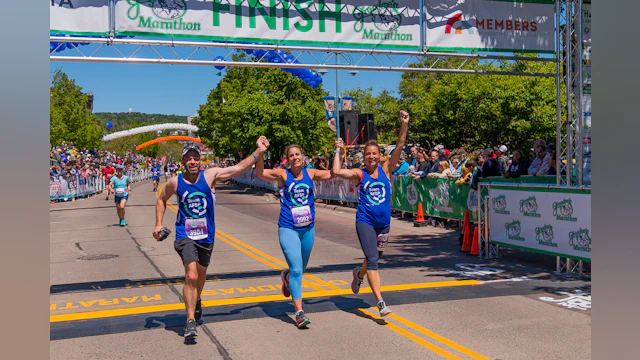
<point x="296" y="246"/>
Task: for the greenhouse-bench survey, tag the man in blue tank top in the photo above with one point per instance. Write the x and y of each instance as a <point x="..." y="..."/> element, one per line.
<point x="195" y="225"/>
<point x="373" y="217"/>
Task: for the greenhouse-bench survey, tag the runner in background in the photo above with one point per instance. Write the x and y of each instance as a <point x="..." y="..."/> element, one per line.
<point x="120" y="185"/>
<point x="155" y="175"/>
<point x="373" y="217"/>
<point x="108" y="172"/>
<point x="296" y="223"/>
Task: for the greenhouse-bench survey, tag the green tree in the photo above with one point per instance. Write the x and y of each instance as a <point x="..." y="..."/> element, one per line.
<point x="250" y="102"/>
<point x="69" y="117"/>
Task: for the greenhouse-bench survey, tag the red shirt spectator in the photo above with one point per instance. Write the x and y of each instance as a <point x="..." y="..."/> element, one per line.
<point x="108" y="172"/>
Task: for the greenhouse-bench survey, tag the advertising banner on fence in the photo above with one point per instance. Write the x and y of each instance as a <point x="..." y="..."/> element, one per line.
<point x="549" y="221"/>
<point x="439" y="197"/>
<point x="355" y="23"/>
<point x="490" y="25"/>
<point x="79" y="17"/>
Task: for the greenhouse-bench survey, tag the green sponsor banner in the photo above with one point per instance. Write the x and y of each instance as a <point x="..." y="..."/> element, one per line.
<point x="439" y="197"/>
<point x="520" y="180"/>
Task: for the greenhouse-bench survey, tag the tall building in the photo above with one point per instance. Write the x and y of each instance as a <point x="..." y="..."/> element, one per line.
<point x="190" y="120"/>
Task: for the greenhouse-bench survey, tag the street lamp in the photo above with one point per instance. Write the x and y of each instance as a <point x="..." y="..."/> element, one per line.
<point x="338" y="102"/>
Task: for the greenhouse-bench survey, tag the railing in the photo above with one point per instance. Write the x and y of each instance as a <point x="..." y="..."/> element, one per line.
<point x="62" y="188"/>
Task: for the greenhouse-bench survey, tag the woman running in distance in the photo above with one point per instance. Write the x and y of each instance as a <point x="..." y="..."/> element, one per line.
<point x="373" y="217"/>
<point x="296" y="223"/>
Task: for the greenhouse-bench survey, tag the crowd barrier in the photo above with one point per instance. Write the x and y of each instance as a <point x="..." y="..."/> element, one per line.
<point x="440" y="198"/>
<point x="74" y="186"/>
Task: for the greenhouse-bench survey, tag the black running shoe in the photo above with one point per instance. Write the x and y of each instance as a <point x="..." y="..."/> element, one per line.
<point x="190" y="329"/>
<point x="198" y="312"/>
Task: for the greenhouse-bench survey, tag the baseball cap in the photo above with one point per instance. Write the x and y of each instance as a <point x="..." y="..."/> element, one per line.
<point x="189" y="147"/>
<point x="501" y="148"/>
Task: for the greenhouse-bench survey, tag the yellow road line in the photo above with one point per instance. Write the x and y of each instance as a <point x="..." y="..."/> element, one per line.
<point x="439" y="338"/>
<point x="243" y="300"/>
<point x="414" y="338"/>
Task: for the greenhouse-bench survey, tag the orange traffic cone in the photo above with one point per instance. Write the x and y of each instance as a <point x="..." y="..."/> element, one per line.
<point x="474" y="245"/>
<point x="420" y="217"/>
<point x="466" y="231"/>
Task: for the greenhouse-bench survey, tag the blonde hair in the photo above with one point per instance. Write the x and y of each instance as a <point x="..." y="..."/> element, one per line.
<point x="444" y="164"/>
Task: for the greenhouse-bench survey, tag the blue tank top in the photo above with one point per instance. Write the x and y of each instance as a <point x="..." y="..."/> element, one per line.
<point x="297" y="208"/>
<point x="374" y="207"/>
<point x="196" y="203"/>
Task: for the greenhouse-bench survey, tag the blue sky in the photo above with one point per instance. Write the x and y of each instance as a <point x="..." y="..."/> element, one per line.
<point x="178" y="89"/>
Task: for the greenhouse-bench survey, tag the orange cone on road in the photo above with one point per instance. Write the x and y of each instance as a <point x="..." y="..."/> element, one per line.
<point x="420" y="217"/>
<point x="474" y="245"/>
<point x="466" y="231"/>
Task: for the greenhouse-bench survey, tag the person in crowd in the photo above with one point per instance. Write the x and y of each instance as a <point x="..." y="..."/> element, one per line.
<point x="491" y="167"/>
<point x="518" y="167"/>
<point x="467" y="171"/>
<point x="503" y="160"/>
<point x="444" y="171"/>
<point x="403" y="166"/>
<point x="540" y="164"/>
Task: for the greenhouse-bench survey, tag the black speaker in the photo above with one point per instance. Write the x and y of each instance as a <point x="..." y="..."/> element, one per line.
<point x="367" y="127"/>
<point x="349" y="126"/>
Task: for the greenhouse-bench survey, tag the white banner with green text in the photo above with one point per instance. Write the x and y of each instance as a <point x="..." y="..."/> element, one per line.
<point x="354" y="23"/>
<point x="79" y="17"/>
<point x="549" y="221"/>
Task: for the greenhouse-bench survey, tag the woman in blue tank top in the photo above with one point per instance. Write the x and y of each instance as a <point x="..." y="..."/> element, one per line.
<point x="373" y="217"/>
<point x="295" y="225"/>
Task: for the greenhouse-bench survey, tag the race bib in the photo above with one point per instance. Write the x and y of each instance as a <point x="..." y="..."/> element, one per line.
<point x="301" y="216"/>
<point x="196" y="229"/>
<point x="383" y="240"/>
<point x="120" y="191"/>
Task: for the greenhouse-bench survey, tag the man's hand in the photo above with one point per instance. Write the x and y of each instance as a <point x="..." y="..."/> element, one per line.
<point x="262" y="143"/>
<point x="404" y="116"/>
<point x="156" y="232"/>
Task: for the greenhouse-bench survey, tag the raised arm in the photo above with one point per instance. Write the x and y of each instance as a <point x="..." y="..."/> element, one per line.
<point x="223" y="174"/>
<point x="404" y="127"/>
<point x="325" y="175"/>
<point x="268" y="174"/>
<point x="348" y="174"/>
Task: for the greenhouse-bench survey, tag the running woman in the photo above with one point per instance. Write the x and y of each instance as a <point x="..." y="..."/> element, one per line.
<point x="373" y="216"/>
<point x="296" y="223"/>
<point x="195" y="225"/>
<point x="155" y="175"/>
<point x="120" y="186"/>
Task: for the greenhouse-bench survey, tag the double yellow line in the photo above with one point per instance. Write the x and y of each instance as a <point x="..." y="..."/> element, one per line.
<point x="314" y="282"/>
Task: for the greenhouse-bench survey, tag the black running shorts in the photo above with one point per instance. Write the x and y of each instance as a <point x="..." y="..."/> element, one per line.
<point x="190" y="251"/>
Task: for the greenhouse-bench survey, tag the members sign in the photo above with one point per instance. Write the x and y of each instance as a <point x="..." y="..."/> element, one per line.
<point x="491" y="26"/>
<point x="364" y="23"/>
<point x="546" y="221"/>
<point x="79" y="17"/>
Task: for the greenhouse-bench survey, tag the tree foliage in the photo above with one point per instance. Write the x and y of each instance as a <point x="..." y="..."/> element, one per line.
<point x="125" y="120"/>
<point x="249" y="102"/>
<point x="69" y="118"/>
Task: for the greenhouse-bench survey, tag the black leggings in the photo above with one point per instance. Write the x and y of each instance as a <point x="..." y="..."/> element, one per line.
<point x="368" y="237"/>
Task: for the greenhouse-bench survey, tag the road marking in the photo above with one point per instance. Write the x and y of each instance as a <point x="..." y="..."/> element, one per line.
<point x="437" y="337"/>
<point x="414" y="338"/>
<point x="248" y="299"/>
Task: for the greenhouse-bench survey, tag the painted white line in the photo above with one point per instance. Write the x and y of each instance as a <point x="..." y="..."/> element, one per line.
<point x="523" y="278"/>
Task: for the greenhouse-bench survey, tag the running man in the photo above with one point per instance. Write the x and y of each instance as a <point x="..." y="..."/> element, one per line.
<point x="195" y="225"/>
<point x="373" y="217"/>
<point x="296" y="223"/>
<point x="108" y="172"/>
<point x="120" y="186"/>
<point x="155" y="175"/>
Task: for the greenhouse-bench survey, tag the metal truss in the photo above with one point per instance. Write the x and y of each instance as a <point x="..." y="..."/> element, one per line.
<point x="486" y="249"/>
<point x="569" y="267"/>
<point x="569" y="102"/>
<point x="139" y="51"/>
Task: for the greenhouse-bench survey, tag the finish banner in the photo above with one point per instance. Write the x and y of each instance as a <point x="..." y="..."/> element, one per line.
<point x="481" y="25"/>
<point x="549" y="221"/>
<point x="79" y="17"/>
<point x="353" y="23"/>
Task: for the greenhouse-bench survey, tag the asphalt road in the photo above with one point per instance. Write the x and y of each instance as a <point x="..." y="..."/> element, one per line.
<point x="116" y="293"/>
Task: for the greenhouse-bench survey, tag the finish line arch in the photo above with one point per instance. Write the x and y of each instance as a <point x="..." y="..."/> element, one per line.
<point x="167" y="138"/>
<point x="150" y="128"/>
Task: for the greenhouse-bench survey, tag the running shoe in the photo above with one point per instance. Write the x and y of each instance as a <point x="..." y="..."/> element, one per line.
<point x="301" y="320"/>
<point x="190" y="329"/>
<point x="122" y="223"/>
<point x="357" y="281"/>
<point x="285" y="283"/>
<point x="198" y="312"/>
<point x="382" y="307"/>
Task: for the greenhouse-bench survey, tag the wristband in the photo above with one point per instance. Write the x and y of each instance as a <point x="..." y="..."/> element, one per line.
<point x="336" y="151"/>
<point x="254" y="156"/>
